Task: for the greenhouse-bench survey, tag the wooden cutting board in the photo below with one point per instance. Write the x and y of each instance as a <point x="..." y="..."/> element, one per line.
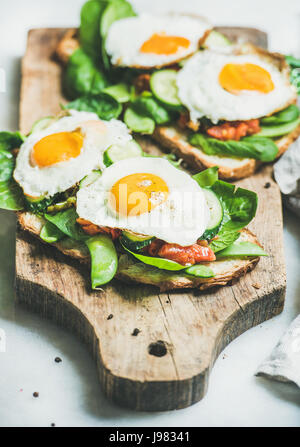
<point x="167" y="364"/>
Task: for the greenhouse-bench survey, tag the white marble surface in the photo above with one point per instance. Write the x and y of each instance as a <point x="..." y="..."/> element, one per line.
<point x="69" y="391"/>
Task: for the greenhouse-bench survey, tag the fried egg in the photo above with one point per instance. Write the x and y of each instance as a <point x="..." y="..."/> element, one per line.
<point x="147" y="41"/>
<point x="147" y="196"/>
<point x="55" y="159"/>
<point x="232" y="87"/>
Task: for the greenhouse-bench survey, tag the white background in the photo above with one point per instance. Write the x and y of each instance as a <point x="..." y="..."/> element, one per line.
<point x="69" y="392"/>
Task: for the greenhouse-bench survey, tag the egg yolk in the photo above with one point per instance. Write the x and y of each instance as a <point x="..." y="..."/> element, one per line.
<point x="56" y="148"/>
<point x="138" y="194"/>
<point x="237" y="77"/>
<point x="163" y="44"/>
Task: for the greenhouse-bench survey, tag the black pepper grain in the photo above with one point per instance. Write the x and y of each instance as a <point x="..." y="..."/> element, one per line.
<point x="136" y="332"/>
<point x="110" y="317"/>
<point x="267" y="185"/>
<point x="36" y="394"/>
<point x="58" y="360"/>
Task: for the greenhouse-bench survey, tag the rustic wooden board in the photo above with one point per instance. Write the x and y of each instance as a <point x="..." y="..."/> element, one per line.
<point x="167" y="365"/>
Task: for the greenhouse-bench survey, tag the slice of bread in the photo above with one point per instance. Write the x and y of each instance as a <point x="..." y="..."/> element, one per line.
<point x="132" y="271"/>
<point x="176" y="141"/>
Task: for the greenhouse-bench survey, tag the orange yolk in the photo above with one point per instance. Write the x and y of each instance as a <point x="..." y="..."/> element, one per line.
<point x="237" y="77"/>
<point x="56" y="148"/>
<point x="138" y="194"/>
<point x="163" y="44"/>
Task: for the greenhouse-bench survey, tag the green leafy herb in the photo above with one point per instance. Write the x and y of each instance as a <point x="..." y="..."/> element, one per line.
<point x="82" y="76"/>
<point x="104" y="259"/>
<point x="40" y="205"/>
<point x="240" y="249"/>
<point x="11" y="196"/>
<point x="10" y="140"/>
<point x="259" y="148"/>
<point x="164" y="264"/>
<point x="287" y="115"/>
<point x="239" y="206"/>
<point x="295" y="71"/>
<point x="51" y="234"/>
<point x="104" y="105"/>
<point x="66" y="221"/>
<point x="7" y="164"/>
<point x="207" y="178"/>
<point x="147" y="105"/>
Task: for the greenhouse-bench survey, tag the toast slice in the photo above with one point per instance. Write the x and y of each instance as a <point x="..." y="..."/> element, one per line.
<point x="132" y="271"/>
<point x="176" y="140"/>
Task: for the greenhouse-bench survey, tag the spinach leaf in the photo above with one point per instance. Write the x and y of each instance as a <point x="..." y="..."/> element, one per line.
<point x="104" y="259"/>
<point x="10" y="140"/>
<point x="11" y="196"/>
<point x="240" y="249"/>
<point x="90" y="38"/>
<point x="121" y="92"/>
<point x="66" y="221"/>
<point x="207" y="177"/>
<point x="104" y="105"/>
<point x="82" y="76"/>
<point x="287" y="115"/>
<point x="51" y="234"/>
<point x="147" y="105"/>
<point x="259" y="148"/>
<point x="164" y="264"/>
<point x="7" y="164"/>
<point x="138" y="123"/>
<point x="239" y="207"/>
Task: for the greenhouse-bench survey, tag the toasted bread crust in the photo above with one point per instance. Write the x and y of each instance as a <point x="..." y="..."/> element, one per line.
<point x="175" y="139"/>
<point x="132" y="271"/>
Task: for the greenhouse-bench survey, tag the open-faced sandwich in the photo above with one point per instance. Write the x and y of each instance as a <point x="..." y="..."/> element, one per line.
<point x="140" y="218"/>
<point x="207" y="100"/>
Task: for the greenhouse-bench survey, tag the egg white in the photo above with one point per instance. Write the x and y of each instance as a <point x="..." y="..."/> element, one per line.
<point x="200" y="91"/>
<point x="47" y="181"/>
<point x="126" y="36"/>
<point x="181" y="219"/>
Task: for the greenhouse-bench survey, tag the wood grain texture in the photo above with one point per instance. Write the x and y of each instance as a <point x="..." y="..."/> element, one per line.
<point x="167" y="364"/>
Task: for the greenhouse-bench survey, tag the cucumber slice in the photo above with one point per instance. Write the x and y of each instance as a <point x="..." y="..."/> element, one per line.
<point x="118" y="152"/>
<point x="216" y="40"/>
<point x="278" y="131"/>
<point x="216" y="214"/>
<point x="138" y="123"/>
<point x="134" y="241"/>
<point x="89" y="179"/>
<point x="164" y="87"/>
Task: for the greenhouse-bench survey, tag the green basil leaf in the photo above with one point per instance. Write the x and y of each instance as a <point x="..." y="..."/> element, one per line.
<point x="51" y="234"/>
<point x="66" y="221"/>
<point x="293" y="61"/>
<point x="147" y="105"/>
<point x="10" y="140"/>
<point x="259" y="148"/>
<point x="82" y="76"/>
<point x="207" y="178"/>
<point x="200" y="271"/>
<point x="241" y="249"/>
<point x="164" y="264"/>
<point x="11" y="196"/>
<point x="104" y="105"/>
<point x="287" y="115"/>
<point x="104" y="259"/>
